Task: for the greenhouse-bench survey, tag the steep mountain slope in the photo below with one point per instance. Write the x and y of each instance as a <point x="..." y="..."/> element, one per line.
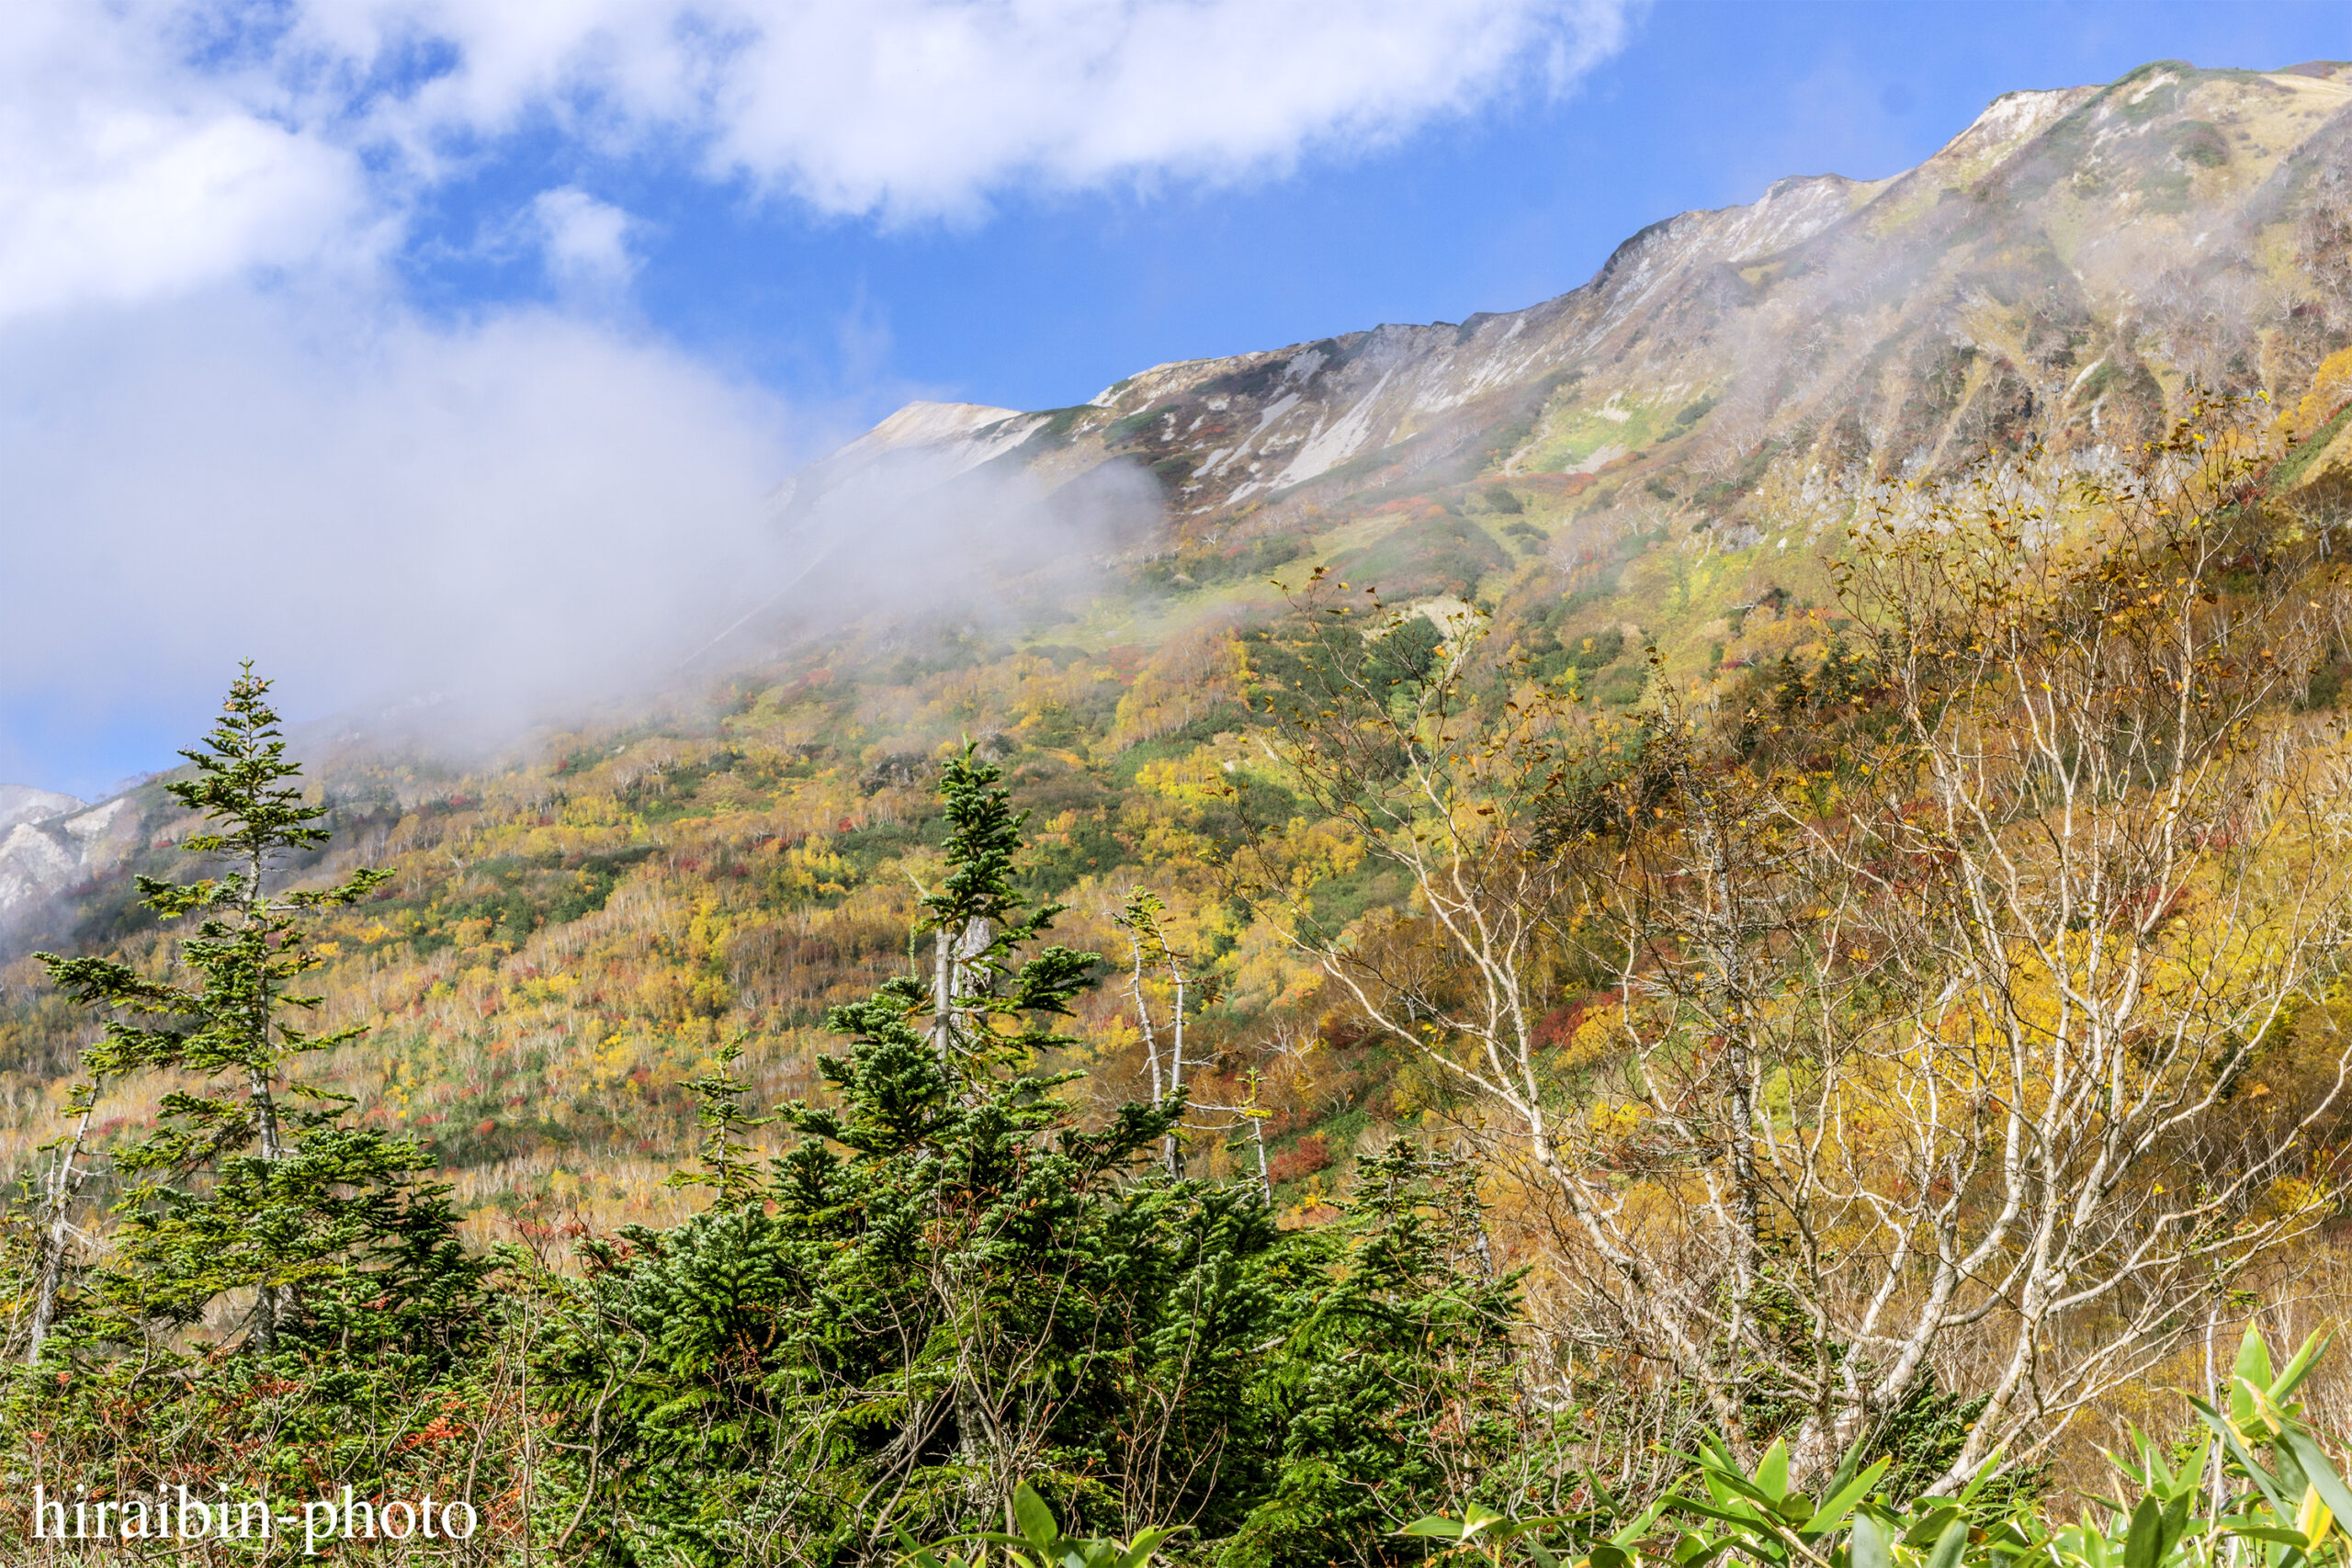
<point x="570" y="931"/>
<point x="2062" y="267"/>
<point x="49" y="843"/>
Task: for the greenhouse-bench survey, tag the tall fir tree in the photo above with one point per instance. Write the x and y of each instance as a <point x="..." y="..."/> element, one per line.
<point x="254" y="1226"/>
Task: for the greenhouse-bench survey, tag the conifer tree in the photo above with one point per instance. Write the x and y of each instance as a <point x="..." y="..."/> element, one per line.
<point x="250" y="1180"/>
<point x="976" y="921"/>
<point x="953" y="1286"/>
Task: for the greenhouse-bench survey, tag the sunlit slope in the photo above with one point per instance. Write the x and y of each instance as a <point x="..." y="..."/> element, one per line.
<point x="2064" y="265"/>
<point x="580" y="918"/>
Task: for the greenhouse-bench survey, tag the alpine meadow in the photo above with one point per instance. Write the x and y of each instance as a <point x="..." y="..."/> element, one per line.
<point x="1709" y="922"/>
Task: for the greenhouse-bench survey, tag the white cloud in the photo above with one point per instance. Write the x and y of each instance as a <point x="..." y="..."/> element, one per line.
<point x="523" y="514"/>
<point x="917" y="107"/>
<point x="924" y="107"/>
<point x="522" y="510"/>
<point x="125" y="176"/>
<point x="584" y="241"/>
<point x="148" y="147"/>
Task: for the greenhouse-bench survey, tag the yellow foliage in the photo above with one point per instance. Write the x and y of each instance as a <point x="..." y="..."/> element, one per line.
<point x="1598" y="1035"/>
<point x="1183" y="682"/>
<point x="1194" y="780"/>
<point x="594" y="811"/>
<point x="811" y="867"/>
<point x="1615" y="1119"/>
<point x="1265" y="970"/>
<point x="2331" y="388"/>
<point x="1314" y="851"/>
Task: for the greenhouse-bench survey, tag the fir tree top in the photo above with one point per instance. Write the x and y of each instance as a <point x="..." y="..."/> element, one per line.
<point x="241" y="780"/>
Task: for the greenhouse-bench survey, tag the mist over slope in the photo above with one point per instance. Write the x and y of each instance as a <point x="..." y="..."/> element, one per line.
<point x="2062" y="269"/>
<point x="585" y="904"/>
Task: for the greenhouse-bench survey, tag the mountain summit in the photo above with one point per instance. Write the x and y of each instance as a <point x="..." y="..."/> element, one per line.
<point x="2063" y="268"/>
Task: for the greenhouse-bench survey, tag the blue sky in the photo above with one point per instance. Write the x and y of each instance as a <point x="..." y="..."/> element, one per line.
<point x="1055" y="296"/>
<point x="412" y="343"/>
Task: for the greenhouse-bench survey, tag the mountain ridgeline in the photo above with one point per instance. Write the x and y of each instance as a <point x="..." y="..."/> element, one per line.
<point x="2059" y="272"/>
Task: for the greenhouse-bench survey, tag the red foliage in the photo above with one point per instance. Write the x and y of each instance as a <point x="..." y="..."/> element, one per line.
<point x="1556" y="1029"/>
<point x="1339" y="1031"/>
<point x="1304" y="1158"/>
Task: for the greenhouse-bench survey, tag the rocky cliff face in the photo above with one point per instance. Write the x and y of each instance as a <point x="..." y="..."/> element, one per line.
<point x="22" y="803"/>
<point x="50" y="843"/>
<point x="2066" y="267"/>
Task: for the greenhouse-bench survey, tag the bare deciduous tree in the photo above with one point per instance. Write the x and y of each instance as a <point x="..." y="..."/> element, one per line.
<point x="1962" y="1010"/>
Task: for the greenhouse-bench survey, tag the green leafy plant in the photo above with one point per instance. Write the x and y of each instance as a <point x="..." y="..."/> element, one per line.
<point x="1758" y="1514"/>
<point x="2300" y="1502"/>
<point x="1483" y="1530"/>
<point x="1042" y="1544"/>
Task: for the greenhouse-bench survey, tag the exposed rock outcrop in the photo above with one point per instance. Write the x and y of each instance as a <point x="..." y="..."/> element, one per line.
<point x="2066" y="267"/>
<point x="50" y="843"/>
